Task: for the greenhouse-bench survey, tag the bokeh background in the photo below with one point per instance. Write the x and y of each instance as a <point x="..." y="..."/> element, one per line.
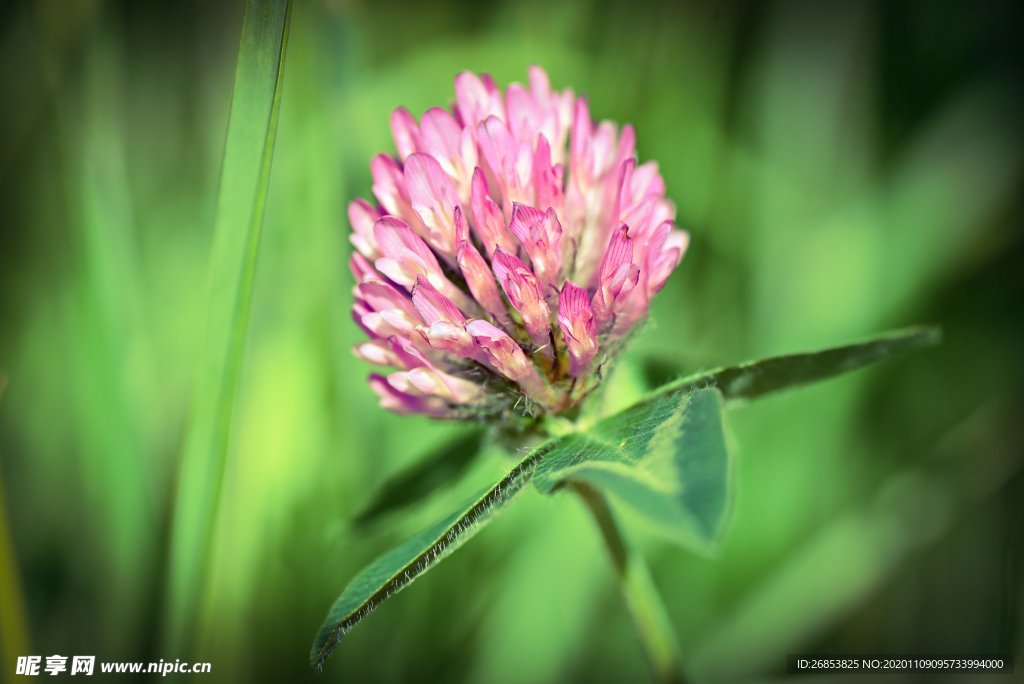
<point x="844" y="168"/>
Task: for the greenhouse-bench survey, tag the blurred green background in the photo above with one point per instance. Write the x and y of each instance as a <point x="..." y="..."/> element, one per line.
<point x="843" y="168"/>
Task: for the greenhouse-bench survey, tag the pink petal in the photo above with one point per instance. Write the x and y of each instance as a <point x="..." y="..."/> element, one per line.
<point x="664" y="257"/>
<point x="524" y="217"/>
<point x="540" y="234"/>
<point x="477" y="98"/>
<point x="617" y="276"/>
<point x="539" y="83"/>
<point x="579" y="138"/>
<point x="401" y="402"/>
<point x="524" y="293"/>
<point x="389" y="185"/>
<point x="502" y="154"/>
<point x="524" y="116"/>
<point x="506" y="357"/>
<point x="548" y="261"/>
<point x="433" y="195"/>
<point x="361" y="268"/>
<point x="390" y="323"/>
<point x="405" y="132"/>
<point x="407" y="256"/>
<point x="362" y="215"/>
<point x="547" y="182"/>
<point x="441" y="135"/>
<point x="408" y="353"/>
<point x="487" y="217"/>
<point x="480" y="281"/>
<point x="358" y="312"/>
<point x="622" y="177"/>
<point x="646" y="183"/>
<point x="377" y="353"/>
<point x="502" y="351"/>
<point x="618" y="253"/>
<point x="603" y="150"/>
<point x="451" y="339"/>
<point x="461" y="229"/>
<point x="627" y="144"/>
<point x="378" y="295"/>
<point x="408" y="252"/>
<point x="434" y="306"/>
<point x="432" y="382"/>
<point x="576" y="319"/>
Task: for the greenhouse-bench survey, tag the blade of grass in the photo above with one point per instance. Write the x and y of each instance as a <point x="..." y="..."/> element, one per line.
<point x="111" y="349"/>
<point x="14" y="639"/>
<point x="245" y="176"/>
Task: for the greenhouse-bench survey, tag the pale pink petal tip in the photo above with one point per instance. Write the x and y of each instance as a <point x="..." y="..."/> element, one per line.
<point x="402" y="402"/>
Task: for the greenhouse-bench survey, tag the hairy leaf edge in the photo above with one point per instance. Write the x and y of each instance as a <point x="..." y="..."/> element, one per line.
<point x="464" y="527"/>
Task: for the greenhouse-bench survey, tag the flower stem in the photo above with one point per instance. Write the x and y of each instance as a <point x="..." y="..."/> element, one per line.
<point x="643" y="602"/>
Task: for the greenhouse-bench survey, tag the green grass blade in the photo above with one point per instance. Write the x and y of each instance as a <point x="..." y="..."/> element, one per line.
<point x="14" y="637"/>
<point x="758" y="378"/>
<point x="245" y="176"/>
<point x="398" y="568"/>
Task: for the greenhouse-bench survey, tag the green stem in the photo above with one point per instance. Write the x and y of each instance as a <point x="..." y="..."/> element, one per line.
<point x="643" y="602"/>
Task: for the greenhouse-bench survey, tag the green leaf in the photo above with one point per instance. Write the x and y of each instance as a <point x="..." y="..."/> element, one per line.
<point x="245" y="176"/>
<point x="398" y="568"/>
<point x="665" y="460"/>
<point x="757" y="378"/>
<point x="441" y="466"/>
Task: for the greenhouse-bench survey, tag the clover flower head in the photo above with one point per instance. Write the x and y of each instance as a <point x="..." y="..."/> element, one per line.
<point x="513" y="246"/>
